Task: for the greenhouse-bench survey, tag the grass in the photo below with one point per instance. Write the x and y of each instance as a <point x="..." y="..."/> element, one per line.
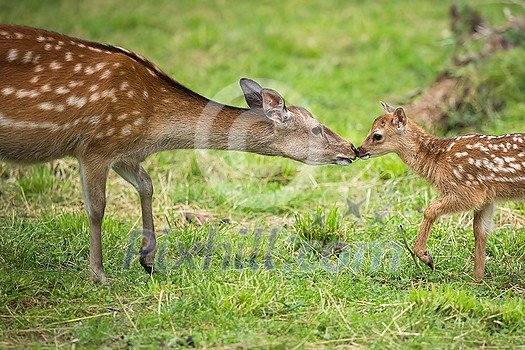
<point x="291" y="270"/>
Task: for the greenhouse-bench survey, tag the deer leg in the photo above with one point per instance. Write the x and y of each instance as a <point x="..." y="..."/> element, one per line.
<point x="139" y="178"/>
<point x="483" y="225"/>
<point x="437" y="208"/>
<point x="94" y="176"/>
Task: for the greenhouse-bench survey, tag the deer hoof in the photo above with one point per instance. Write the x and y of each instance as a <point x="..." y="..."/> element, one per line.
<point x="98" y="277"/>
<point x="146" y="265"/>
<point x="430" y="261"/>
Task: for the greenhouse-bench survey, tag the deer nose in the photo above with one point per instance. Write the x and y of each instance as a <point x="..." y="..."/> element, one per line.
<point x="355" y="150"/>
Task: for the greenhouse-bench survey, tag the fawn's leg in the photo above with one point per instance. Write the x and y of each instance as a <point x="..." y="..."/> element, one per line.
<point x="137" y="176"/>
<point x="483" y="225"/>
<point x="442" y="206"/>
<point x="93" y="174"/>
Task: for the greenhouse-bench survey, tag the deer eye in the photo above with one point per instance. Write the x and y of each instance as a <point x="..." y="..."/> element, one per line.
<point x="317" y="130"/>
<point x="377" y="137"/>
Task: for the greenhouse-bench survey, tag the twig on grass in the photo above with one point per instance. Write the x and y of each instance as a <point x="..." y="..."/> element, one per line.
<point x="405" y="243"/>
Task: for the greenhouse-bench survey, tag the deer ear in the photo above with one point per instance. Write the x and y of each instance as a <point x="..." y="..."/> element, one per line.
<point x="400" y="118"/>
<point x="388" y="108"/>
<point x="274" y="107"/>
<point x="252" y="92"/>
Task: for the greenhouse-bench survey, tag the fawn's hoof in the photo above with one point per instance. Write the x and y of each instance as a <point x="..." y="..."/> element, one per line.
<point x="426" y="258"/>
<point x="430" y="261"/>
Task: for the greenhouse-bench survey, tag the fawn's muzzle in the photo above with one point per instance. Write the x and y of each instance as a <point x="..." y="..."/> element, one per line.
<point x="362" y="153"/>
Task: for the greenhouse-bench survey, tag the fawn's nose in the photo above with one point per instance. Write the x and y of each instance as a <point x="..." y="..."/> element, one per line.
<point x="362" y="153"/>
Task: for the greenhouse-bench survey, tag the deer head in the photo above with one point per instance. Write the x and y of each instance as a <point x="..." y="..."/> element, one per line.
<point x="386" y="135"/>
<point x="295" y="133"/>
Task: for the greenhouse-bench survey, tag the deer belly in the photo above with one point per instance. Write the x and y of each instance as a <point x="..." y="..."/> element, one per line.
<point x="32" y="145"/>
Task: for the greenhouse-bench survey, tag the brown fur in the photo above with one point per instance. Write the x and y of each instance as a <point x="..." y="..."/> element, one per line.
<point x="111" y="108"/>
<point x="472" y="172"/>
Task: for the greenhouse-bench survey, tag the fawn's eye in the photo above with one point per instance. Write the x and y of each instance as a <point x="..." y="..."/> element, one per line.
<point x="377" y="137"/>
<point x="317" y="130"/>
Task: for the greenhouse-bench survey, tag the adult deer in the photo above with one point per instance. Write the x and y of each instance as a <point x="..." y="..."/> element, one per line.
<point x="111" y="108"/>
<point x="472" y="172"/>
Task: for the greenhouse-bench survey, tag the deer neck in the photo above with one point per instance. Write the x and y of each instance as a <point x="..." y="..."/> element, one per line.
<point x="421" y="151"/>
<point x="190" y="121"/>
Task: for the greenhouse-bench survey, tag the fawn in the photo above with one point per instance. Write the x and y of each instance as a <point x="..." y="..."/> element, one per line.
<point x="111" y="108"/>
<point x="472" y="172"/>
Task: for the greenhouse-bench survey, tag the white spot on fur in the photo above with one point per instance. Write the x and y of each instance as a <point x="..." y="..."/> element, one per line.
<point x="22" y="93"/>
<point x="28" y="56"/>
<point x="94" y="49"/>
<point x="94" y="97"/>
<point x="76" y="101"/>
<point x="106" y="74"/>
<point x="126" y="130"/>
<point x="138" y="122"/>
<point x="46" y="106"/>
<point x="12" y="54"/>
<point x="7" y="91"/>
<point x="78" y="67"/>
<point x="515" y="166"/>
<point x="74" y="83"/>
<point x="62" y="90"/>
<point x="499" y="162"/>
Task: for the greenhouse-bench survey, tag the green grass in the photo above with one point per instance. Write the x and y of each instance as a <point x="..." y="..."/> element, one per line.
<point x="291" y="271"/>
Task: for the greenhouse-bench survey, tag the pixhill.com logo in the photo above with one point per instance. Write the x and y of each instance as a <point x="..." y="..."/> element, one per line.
<point x="269" y="249"/>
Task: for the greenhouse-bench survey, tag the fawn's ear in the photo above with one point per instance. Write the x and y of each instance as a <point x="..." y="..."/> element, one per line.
<point x="388" y="108"/>
<point x="252" y="92"/>
<point x="400" y="119"/>
<point x="274" y="107"/>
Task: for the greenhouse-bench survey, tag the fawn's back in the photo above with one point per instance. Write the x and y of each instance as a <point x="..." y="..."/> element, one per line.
<point x="494" y="163"/>
<point x="59" y="94"/>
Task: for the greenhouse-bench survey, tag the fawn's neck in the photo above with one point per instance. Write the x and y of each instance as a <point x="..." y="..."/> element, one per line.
<point x="190" y="121"/>
<point x="421" y="151"/>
